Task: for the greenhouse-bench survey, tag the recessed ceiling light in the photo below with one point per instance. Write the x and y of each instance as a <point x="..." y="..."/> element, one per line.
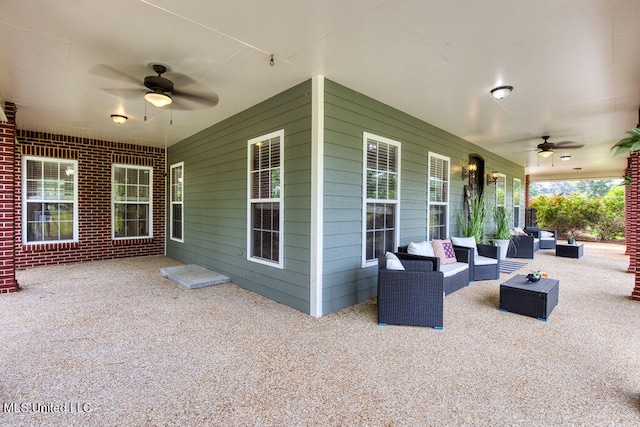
<point x="565" y="157"/>
<point x="501" y="91"/>
<point x="577" y="169"/>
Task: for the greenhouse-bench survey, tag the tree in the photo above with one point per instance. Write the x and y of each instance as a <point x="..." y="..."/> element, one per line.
<point x="610" y="223"/>
<point x="576" y="213"/>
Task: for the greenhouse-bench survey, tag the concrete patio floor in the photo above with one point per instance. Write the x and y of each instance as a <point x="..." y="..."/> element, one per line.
<point x="116" y="343"/>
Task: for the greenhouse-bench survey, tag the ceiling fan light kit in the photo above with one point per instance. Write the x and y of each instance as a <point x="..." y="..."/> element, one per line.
<point x="545" y="153"/>
<point x="501" y="92"/>
<point x="158" y="99"/>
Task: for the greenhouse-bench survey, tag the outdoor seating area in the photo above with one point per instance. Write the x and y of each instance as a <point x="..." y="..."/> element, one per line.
<point x="228" y="356"/>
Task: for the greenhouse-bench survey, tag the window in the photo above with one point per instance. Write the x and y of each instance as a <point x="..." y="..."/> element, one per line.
<point x="49" y="205"/>
<point x="177" y="187"/>
<point x="438" y="203"/>
<point x="517" y="189"/>
<point x="381" y="195"/>
<point x="132" y="201"/>
<point x="265" y="187"/>
<point x="501" y="191"/>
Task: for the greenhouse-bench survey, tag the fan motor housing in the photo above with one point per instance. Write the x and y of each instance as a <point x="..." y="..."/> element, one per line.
<point x="158" y="83"/>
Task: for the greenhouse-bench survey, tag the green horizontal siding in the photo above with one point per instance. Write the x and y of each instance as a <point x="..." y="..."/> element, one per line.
<point x="347" y="115"/>
<point x="215" y="197"/>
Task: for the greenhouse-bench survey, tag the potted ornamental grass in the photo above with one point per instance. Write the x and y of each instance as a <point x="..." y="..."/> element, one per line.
<point x="502" y="236"/>
<point x="473" y="224"/>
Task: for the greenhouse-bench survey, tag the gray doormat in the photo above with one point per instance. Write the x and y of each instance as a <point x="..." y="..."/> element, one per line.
<point x="193" y="276"/>
<point x="510" y="266"/>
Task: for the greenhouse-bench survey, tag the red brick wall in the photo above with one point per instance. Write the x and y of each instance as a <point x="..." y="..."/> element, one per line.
<point x="95" y="159"/>
<point x="629" y="242"/>
<point x="7" y="138"/>
<point x="633" y="216"/>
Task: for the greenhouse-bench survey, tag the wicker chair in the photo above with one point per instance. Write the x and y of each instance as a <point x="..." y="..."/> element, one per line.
<point x="545" y="242"/>
<point x="412" y="297"/>
<point x="485" y="266"/>
<point x="452" y="281"/>
<point x="523" y="247"/>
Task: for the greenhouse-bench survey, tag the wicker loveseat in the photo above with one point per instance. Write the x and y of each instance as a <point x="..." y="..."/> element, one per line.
<point x="456" y="275"/>
<point x="413" y="297"/>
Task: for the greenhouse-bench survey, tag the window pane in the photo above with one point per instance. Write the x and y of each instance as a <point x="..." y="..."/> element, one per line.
<point x="34" y="169"/>
<point x="266" y="223"/>
<point x="437" y="222"/>
<point x="132" y="198"/>
<point x="50" y="194"/>
<point x="34" y="190"/>
<point x="176" y="218"/>
<point x="132" y="176"/>
<point x="50" y="171"/>
<point x="381" y="170"/>
<point x="144" y="177"/>
<point x="119" y="175"/>
<point x="380" y="232"/>
<point x="274" y="147"/>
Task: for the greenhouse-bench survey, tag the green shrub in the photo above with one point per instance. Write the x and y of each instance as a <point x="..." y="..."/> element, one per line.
<point x="576" y="214"/>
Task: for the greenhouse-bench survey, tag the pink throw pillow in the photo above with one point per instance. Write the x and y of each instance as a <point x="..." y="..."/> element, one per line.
<point x="444" y="250"/>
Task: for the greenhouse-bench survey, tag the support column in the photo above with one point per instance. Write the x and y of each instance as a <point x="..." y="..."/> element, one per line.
<point x="633" y="218"/>
<point x="628" y="241"/>
<point x="527" y="184"/>
<point x="8" y="281"/>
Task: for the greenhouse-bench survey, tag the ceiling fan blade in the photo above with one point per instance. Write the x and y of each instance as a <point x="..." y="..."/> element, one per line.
<point x="179" y="79"/>
<point x="113" y="73"/>
<point x="124" y="93"/>
<point x="205" y="101"/>
<point x="567" y="145"/>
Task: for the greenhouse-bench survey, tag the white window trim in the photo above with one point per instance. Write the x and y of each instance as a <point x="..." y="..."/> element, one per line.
<point x="365" y="137"/>
<point x="501" y="180"/>
<point x="280" y="263"/>
<point x="429" y="203"/>
<point x="113" y="202"/>
<point x="519" y="205"/>
<point x="25" y="200"/>
<point x="171" y="202"/>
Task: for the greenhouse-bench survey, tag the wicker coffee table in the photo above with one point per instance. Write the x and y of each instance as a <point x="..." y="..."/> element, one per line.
<point x="567" y="250"/>
<point x="538" y="299"/>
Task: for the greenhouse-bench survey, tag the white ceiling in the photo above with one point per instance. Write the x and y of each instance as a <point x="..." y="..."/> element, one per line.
<point x="575" y="66"/>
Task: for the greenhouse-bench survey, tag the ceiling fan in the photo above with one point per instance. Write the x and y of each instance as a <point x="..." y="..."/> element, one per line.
<point x="185" y="94"/>
<point x="547" y="148"/>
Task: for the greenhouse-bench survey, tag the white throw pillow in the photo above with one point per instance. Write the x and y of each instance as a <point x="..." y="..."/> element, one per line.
<point x="545" y="234"/>
<point x="393" y="263"/>
<point x="467" y="242"/>
<point x="423" y="248"/>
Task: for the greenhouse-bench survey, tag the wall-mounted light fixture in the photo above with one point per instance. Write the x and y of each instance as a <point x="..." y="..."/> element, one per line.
<point x="492" y="177"/>
<point x="119" y="118"/>
<point x="469" y="171"/>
